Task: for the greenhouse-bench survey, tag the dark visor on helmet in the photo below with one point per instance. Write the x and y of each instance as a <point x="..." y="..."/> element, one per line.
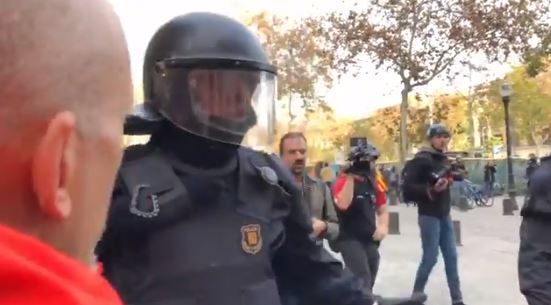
<point x="224" y="104"/>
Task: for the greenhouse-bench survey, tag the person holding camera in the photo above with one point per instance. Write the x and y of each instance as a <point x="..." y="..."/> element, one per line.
<point x="427" y="181"/>
<point x="363" y="215"/>
<point x="531" y="167"/>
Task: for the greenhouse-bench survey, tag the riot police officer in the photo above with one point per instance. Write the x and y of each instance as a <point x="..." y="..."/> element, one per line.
<point x="535" y="241"/>
<point x="195" y="217"/>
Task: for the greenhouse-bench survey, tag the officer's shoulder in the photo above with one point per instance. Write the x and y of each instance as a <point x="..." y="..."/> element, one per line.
<point x="542" y="174"/>
<point x="136" y="152"/>
<point x="421" y="157"/>
<point x="257" y="156"/>
<point x="262" y="159"/>
<point x="423" y="154"/>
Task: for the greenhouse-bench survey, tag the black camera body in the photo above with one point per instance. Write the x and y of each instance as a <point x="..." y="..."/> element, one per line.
<point x="361" y="155"/>
<point x="435" y="176"/>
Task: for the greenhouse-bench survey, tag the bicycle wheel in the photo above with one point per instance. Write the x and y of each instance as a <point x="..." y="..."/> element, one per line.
<point x="490" y="202"/>
<point x="481" y="201"/>
<point x="478" y="201"/>
<point x="470" y="194"/>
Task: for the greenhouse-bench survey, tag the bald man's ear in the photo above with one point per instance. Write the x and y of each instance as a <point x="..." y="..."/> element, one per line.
<point x="53" y="164"/>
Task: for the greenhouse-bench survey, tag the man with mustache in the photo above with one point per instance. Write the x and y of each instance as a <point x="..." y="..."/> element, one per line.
<point x="316" y="196"/>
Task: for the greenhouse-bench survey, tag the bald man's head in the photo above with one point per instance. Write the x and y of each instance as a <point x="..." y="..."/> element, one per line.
<point x="59" y="55"/>
<point x="64" y="89"/>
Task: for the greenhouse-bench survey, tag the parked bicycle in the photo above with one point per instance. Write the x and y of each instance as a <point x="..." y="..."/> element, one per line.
<point x="477" y="196"/>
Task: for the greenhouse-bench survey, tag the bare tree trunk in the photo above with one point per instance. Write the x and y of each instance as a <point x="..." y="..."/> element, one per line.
<point x="535" y="140"/>
<point x="291" y="115"/>
<point x="472" y="127"/>
<point x="471" y="114"/>
<point x="477" y="135"/>
<point x="403" y="123"/>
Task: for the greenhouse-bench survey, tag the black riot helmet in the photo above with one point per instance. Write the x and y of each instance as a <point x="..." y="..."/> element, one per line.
<point x="208" y="75"/>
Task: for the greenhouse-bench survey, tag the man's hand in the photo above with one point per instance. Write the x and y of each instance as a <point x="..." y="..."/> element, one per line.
<point x="380" y="233"/>
<point x="318" y="226"/>
<point x="441" y="184"/>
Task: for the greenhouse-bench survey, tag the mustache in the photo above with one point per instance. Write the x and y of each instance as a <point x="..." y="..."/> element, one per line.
<point x="298" y="162"/>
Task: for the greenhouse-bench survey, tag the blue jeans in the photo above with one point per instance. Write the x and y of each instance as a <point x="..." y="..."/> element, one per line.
<point x="438" y="233"/>
<point x="489" y="188"/>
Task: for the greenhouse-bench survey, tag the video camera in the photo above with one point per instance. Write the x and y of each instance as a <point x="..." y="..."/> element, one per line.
<point x="435" y="176"/>
<point x="361" y="155"/>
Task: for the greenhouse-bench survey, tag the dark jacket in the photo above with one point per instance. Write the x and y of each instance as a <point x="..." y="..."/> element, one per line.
<point x="534" y="264"/>
<point x="426" y="162"/>
<point x="538" y="203"/>
<point x="490" y="173"/>
<point x="532" y="166"/>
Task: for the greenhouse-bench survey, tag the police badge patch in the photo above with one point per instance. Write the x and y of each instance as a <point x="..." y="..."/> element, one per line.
<point x="251" y="239"/>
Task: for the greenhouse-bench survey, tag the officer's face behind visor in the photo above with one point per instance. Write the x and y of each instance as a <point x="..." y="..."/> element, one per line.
<point x="240" y="103"/>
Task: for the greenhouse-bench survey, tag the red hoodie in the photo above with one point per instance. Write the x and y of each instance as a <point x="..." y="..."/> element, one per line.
<point x="33" y="273"/>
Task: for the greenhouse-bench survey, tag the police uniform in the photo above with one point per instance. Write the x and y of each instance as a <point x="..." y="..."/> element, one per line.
<point x="535" y="238"/>
<point x="195" y="218"/>
<point x="180" y="238"/>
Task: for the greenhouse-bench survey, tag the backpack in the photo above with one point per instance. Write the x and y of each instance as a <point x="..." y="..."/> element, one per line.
<point x="407" y="178"/>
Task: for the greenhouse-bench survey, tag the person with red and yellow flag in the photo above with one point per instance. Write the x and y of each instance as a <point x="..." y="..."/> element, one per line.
<point x="360" y="198"/>
<point x="380" y="186"/>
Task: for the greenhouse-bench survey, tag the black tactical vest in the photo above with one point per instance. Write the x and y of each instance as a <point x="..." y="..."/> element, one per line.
<point x="202" y="253"/>
<point x="358" y="222"/>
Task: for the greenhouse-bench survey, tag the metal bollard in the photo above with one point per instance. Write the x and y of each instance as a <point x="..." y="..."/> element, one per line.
<point x="508" y="206"/>
<point x="463" y="204"/>
<point x="393" y="200"/>
<point x="393" y="223"/>
<point x="457" y="232"/>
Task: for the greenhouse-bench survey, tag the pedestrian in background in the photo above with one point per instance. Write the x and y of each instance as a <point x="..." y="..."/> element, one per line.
<point x="427" y="180"/>
<point x="327" y="175"/>
<point x="489" y="177"/>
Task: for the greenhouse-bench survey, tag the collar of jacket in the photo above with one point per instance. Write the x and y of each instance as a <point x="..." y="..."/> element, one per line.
<point x="308" y="181"/>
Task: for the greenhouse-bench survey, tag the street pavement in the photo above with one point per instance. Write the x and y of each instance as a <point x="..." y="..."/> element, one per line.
<point x="487" y="259"/>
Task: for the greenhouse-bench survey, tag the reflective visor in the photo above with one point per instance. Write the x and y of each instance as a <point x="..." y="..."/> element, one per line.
<point x="222" y="104"/>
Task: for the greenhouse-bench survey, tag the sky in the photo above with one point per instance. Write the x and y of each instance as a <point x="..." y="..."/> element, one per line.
<point x="351" y="97"/>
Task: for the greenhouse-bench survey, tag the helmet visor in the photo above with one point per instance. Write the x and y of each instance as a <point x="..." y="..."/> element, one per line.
<point x="225" y="105"/>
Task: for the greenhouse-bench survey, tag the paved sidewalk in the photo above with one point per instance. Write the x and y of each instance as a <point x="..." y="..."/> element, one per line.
<point x="487" y="259"/>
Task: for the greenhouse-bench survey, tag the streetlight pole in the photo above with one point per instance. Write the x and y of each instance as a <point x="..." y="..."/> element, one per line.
<point x="506" y="92"/>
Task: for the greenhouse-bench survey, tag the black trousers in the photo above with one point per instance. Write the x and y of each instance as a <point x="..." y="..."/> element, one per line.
<point x="362" y="258"/>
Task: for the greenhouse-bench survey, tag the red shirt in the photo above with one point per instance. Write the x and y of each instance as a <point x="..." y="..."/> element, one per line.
<point x="380" y="196"/>
<point x="32" y="273"/>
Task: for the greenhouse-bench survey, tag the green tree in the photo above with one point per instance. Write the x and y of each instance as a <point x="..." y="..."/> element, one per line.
<point x="302" y="56"/>
<point x="421" y="39"/>
<point x="537" y="59"/>
<point x="530" y="107"/>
